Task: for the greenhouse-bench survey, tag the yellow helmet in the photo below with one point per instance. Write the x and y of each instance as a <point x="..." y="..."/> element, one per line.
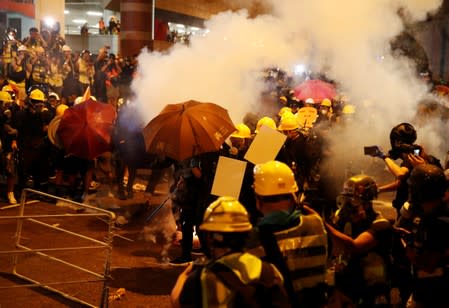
<point x="326" y="102"/>
<point x="348" y="109"/>
<point x="242" y="131"/>
<point x="267" y="121"/>
<point x="60" y="109"/>
<point x="37" y="95"/>
<point x="274" y="178"/>
<point x="226" y="214"/>
<point x="288" y="122"/>
<point x="7" y="88"/>
<point x="5" y="97"/>
<point x="283" y="110"/>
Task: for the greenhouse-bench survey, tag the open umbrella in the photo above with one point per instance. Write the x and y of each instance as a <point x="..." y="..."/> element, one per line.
<point x="85" y="129"/>
<point x="316" y="89"/>
<point x="187" y="129"/>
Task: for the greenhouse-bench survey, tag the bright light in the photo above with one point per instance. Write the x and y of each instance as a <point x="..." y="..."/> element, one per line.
<point x="50" y="22"/>
<point x="66" y="12"/>
<point x="300" y="69"/>
<point x="194" y="28"/>
<point x="92" y="13"/>
<point x="180" y="26"/>
<point x="79" y="21"/>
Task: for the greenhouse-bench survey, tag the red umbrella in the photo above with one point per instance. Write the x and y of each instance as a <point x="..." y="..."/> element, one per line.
<point x="85" y="129"/>
<point x="316" y="89"/>
<point x="187" y="129"/>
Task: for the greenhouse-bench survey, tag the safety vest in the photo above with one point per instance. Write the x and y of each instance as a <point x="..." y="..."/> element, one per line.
<point x="247" y="267"/>
<point x="305" y="249"/>
<point x="86" y="72"/>
<point x="55" y="79"/>
<point x="39" y="73"/>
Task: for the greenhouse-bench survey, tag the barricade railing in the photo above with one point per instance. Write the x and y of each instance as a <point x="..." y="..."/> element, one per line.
<point x="20" y="248"/>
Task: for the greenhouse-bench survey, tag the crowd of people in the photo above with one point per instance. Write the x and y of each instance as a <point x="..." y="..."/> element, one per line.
<point x="40" y="77"/>
<point x="287" y="240"/>
<point x="347" y="255"/>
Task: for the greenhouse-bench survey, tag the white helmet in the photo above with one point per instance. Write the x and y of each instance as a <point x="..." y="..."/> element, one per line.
<point x="66" y="48"/>
<point x="22" y="48"/>
<point x="310" y="101"/>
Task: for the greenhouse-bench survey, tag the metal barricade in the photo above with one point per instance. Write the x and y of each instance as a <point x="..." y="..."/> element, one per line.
<point x="20" y="248"/>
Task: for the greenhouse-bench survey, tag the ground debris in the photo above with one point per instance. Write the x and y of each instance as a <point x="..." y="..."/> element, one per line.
<point x="121" y="292"/>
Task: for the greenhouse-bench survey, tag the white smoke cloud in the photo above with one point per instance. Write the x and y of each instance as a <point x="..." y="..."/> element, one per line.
<point x="345" y="39"/>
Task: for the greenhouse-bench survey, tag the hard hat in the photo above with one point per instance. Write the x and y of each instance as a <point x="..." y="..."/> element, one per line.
<point x="242" y="131"/>
<point x="426" y="183"/>
<point x="7" y="88"/>
<point x="274" y="178"/>
<point x="348" y="109"/>
<point x="283" y="100"/>
<point x="361" y="187"/>
<point x="226" y="214"/>
<point x="22" y="48"/>
<point x="267" y="121"/>
<point x="37" y="95"/>
<point x="5" y="97"/>
<point x="39" y="49"/>
<point x="288" y="123"/>
<point x="326" y="102"/>
<point x="60" y="109"/>
<point x="284" y="110"/>
<point x="310" y="101"/>
<point x="66" y="48"/>
<point x="53" y="94"/>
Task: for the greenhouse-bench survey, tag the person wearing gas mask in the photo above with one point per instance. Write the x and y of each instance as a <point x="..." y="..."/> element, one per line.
<point x="402" y="140"/>
<point x="425" y="224"/>
<point x="230" y="277"/>
<point x="362" y="243"/>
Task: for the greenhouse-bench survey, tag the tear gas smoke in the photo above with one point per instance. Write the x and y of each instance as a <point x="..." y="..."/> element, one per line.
<point x="344" y="39"/>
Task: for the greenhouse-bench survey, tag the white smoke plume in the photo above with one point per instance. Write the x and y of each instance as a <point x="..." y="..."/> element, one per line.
<point x="345" y="39"/>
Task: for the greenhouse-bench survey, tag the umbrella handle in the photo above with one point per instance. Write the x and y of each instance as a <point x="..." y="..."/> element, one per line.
<point x="147" y="220"/>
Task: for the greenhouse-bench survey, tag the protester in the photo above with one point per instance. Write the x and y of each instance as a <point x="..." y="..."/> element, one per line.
<point x="362" y="241"/>
<point x="425" y="219"/>
<point x="293" y="240"/>
<point x="230" y="277"/>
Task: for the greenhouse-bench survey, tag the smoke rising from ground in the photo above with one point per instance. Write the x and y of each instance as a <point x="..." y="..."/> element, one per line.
<point x="346" y="39"/>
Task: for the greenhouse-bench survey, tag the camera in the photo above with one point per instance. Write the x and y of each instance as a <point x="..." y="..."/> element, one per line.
<point x="371" y="150"/>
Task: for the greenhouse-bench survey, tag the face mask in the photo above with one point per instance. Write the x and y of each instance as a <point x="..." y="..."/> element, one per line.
<point x="324" y="112"/>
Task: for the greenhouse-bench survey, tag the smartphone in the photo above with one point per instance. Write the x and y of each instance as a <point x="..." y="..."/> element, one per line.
<point x="371" y="150"/>
<point x="417" y="152"/>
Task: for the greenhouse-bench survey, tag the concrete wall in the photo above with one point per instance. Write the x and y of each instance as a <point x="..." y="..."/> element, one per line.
<point x="53" y="9"/>
<point x="93" y="42"/>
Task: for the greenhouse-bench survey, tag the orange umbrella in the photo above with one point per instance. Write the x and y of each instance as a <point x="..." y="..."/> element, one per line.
<point x="187" y="129"/>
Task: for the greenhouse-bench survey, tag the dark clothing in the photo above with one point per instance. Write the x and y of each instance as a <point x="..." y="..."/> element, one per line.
<point x="293" y="154"/>
<point x="428" y="247"/>
<point x="365" y="277"/>
<point x="33" y="145"/>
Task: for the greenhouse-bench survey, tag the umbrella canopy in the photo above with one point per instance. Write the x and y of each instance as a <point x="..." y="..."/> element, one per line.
<point x="316" y="89"/>
<point x="85" y="129"/>
<point x="187" y="129"/>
